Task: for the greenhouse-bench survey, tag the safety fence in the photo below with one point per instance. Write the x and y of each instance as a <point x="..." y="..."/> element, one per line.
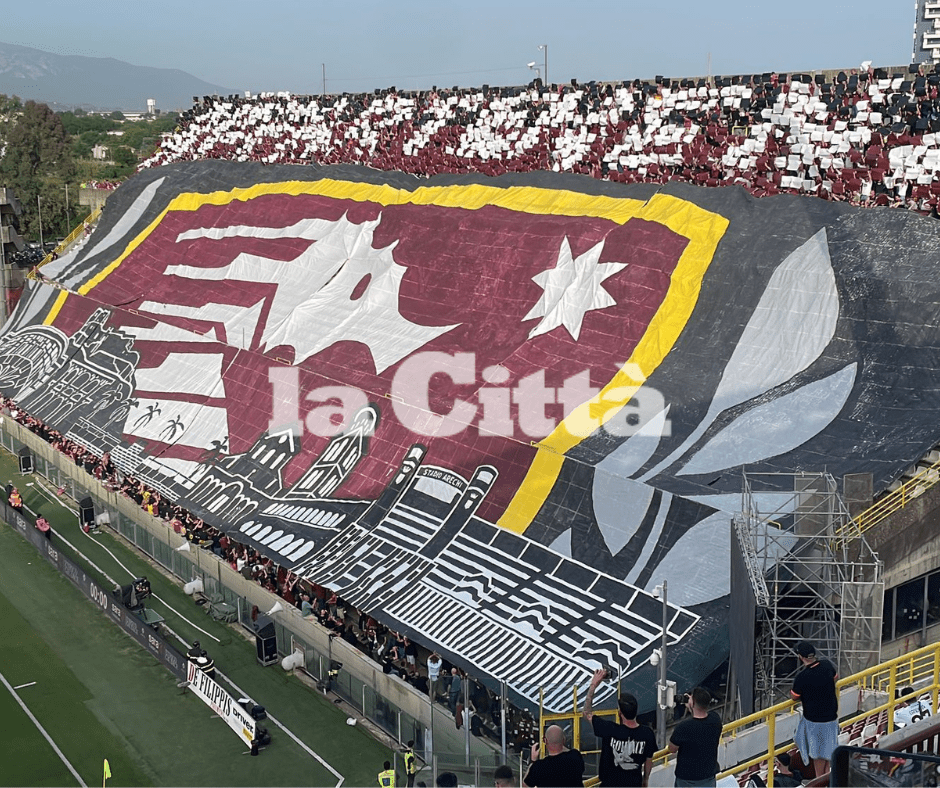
<point x="393" y="705"/>
<point x="149" y="638"/>
<point x="88" y="222"/>
<point x="385" y="700"/>
<point x="360" y="683"/>
<point x="862" y="695"/>
<point x="893" y="502"/>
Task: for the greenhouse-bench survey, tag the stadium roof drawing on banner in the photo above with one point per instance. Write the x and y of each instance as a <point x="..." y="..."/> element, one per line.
<point x="493" y="413"/>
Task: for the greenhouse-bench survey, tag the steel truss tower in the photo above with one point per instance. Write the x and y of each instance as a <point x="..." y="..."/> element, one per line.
<point x="813" y="575"/>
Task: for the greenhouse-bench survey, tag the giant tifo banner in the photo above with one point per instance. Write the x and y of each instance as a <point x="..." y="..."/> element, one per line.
<point x="493" y="413"/>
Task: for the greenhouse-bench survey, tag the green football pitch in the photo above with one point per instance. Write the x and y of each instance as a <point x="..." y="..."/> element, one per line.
<point x="98" y="695"/>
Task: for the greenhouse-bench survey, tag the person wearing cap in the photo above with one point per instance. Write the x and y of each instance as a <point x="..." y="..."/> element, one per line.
<point x="206" y="664"/>
<point x="817" y="735"/>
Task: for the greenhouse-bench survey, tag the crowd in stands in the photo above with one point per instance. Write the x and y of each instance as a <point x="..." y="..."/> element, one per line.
<point x="394" y="651"/>
<point x="869" y="137"/>
<point x="102" y="185"/>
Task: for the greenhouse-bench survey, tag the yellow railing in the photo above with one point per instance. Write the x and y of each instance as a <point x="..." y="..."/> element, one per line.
<point x="89" y="221"/>
<point x="919" y="668"/>
<point x="913" y="668"/>
<point x="574" y="719"/>
<point x="893" y="501"/>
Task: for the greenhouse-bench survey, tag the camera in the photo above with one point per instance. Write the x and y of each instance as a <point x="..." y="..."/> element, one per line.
<point x="683" y="699"/>
<point x="610" y="674"/>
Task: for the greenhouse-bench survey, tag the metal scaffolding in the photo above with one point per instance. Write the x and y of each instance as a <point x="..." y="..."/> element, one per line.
<point x="813" y="575"/>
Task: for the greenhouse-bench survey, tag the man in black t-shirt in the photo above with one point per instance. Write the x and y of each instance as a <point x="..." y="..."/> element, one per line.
<point x="627" y="747"/>
<point x="558" y="767"/>
<point x="696" y="740"/>
<point x="817" y="735"/>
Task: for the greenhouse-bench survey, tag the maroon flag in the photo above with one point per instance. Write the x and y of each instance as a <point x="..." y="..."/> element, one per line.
<point x="354" y="293"/>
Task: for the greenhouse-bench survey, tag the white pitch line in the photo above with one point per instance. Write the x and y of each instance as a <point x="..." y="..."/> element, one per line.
<point x="110" y="579"/>
<point x="28" y="684"/>
<point x="42" y="730"/>
<point x="297" y="741"/>
<point x="290" y="733"/>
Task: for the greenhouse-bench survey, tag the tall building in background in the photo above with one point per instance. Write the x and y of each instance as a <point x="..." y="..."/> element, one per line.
<point x="926" y="32"/>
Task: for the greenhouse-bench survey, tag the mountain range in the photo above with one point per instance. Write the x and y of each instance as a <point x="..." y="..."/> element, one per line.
<point x="103" y="83"/>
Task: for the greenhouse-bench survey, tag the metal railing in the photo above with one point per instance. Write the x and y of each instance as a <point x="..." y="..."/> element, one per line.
<point x="892" y="502"/>
<point x="920" y="668"/>
<point x="876" y="686"/>
<point x="88" y="221"/>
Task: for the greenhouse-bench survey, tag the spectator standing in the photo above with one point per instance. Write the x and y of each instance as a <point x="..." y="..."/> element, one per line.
<point x="456" y="686"/>
<point x="817" y="735"/>
<point x="559" y="766"/>
<point x="387" y="776"/>
<point x="16" y="500"/>
<point x="306" y="608"/>
<point x="696" y="741"/>
<point x="627" y="747"/>
<point x="411" y="763"/>
<point x="411" y="655"/>
<point x="434" y="675"/>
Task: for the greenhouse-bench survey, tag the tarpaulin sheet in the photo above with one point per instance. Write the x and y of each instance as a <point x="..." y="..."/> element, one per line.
<point x="541" y="389"/>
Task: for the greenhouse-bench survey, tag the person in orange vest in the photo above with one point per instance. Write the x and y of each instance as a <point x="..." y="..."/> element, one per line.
<point x="42" y="525"/>
<point x="16" y="500"/>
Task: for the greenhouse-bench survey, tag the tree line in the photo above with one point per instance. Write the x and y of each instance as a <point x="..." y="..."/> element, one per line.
<point x="45" y="156"/>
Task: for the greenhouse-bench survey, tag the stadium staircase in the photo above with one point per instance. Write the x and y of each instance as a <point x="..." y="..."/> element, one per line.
<point x="915" y="481"/>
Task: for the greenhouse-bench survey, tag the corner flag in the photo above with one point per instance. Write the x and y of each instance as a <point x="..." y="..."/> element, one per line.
<point x="107" y="772"/>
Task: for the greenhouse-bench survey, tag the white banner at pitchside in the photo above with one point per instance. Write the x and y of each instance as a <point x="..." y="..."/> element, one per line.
<point x="221" y="703"/>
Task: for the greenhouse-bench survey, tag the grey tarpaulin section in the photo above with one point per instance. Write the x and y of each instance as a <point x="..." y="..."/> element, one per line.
<point x="780" y="334"/>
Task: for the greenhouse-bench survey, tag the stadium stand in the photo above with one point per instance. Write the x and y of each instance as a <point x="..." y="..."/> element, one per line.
<point x="869" y="137"/>
<point x="356" y="627"/>
<point x="866" y="137"/>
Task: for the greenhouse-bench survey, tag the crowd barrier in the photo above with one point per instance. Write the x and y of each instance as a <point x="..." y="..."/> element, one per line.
<point x="146" y="636"/>
<point x="385" y="700"/>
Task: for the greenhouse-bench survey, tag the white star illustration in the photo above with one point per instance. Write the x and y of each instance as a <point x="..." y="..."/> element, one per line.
<point x="572" y="288"/>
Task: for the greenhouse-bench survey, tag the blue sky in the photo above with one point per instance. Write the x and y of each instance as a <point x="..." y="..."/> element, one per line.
<point x="366" y="44"/>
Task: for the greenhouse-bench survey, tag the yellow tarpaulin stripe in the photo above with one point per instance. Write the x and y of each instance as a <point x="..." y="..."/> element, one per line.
<point x="702" y="228"/>
<point x="525" y="199"/>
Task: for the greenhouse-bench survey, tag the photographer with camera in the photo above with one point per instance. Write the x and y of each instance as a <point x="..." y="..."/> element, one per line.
<point x="696" y="741"/>
<point x="627" y="747"/>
